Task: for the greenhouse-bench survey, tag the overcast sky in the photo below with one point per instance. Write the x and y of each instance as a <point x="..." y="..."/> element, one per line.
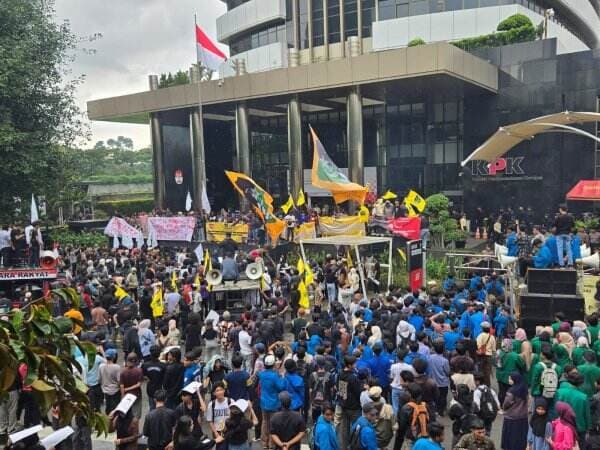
<point x="139" y="37"/>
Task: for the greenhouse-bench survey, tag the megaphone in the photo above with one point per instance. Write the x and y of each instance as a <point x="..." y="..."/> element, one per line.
<point x="590" y="261"/>
<point x="507" y="260"/>
<point x="254" y="271"/>
<point x="585" y="251"/>
<point x="47" y="260"/>
<point x="500" y="250"/>
<point x="214" y="277"/>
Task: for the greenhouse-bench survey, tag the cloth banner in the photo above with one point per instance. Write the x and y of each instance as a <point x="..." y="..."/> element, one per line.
<point x="338" y="226"/>
<point x="589" y="291"/>
<point x="407" y="227"/>
<point x="171" y="228"/>
<point x="216" y="231"/>
<point x="119" y="228"/>
<point x="305" y="231"/>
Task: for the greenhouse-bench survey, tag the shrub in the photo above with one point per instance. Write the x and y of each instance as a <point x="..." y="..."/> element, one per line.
<point x="416" y="41"/>
<point x="84" y="239"/>
<point x="514" y="21"/>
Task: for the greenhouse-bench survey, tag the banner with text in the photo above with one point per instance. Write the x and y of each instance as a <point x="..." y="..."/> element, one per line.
<point x="407" y="227"/>
<point x="171" y="228"/>
<point x="120" y="228"/>
<point x="337" y="226"/>
<point x="216" y="231"/>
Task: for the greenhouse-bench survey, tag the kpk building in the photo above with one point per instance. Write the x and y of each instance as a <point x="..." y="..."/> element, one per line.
<point x="397" y="116"/>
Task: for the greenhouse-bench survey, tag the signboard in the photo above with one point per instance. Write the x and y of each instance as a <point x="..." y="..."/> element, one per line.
<point x="27" y="274"/>
<point x="414" y="253"/>
<point x="503" y="169"/>
<point x="172" y="228"/>
<point x="589" y="291"/>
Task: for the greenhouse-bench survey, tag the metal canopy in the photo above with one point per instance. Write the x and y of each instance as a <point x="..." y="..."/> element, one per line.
<point x="509" y="136"/>
<point x="355" y="242"/>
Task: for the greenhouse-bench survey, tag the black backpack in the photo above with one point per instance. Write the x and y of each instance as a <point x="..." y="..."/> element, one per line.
<point x="354" y="441"/>
<point x="488" y="408"/>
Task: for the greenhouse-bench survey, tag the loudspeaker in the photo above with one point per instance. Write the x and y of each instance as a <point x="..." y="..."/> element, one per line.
<point x="552" y="281"/>
<point x="542" y="307"/>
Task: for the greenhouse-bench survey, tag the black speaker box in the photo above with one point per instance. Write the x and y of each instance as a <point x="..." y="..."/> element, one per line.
<point x="552" y="281"/>
<point x="544" y="306"/>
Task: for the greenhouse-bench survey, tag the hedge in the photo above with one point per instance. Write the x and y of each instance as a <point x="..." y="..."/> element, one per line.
<point x="126" y="207"/>
<point x="514" y="21"/>
<point x="523" y="34"/>
<point x="69" y="238"/>
<point x="137" y="178"/>
<point x="416" y="41"/>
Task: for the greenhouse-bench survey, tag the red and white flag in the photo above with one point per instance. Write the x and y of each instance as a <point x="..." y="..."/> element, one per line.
<point x="208" y="53"/>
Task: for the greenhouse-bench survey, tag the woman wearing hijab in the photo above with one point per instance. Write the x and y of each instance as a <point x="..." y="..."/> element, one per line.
<point x="539" y="436"/>
<point x="523" y="347"/>
<point x="578" y="352"/>
<point x="507" y="362"/>
<point x="564" y="428"/>
<point x="174" y="334"/>
<point x="515" y="425"/>
<point x="376" y="336"/>
<point x="564" y="347"/>
<point x="146" y="338"/>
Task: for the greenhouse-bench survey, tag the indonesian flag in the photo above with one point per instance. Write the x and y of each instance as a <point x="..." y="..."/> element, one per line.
<point x="208" y="53"/>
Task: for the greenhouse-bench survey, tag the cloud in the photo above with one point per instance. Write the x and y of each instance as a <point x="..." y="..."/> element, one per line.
<point x="139" y="37"/>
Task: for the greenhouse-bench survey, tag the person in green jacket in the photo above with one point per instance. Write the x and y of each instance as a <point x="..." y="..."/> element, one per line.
<point x="578" y="352"/>
<point x="508" y="361"/>
<point x="561" y="349"/>
<point x="590" y="372"/>
<point x="569" y="392"/>
<point x="593" y="328"/>
<point x="559" y="318"/>
<point x="536" y="372"/>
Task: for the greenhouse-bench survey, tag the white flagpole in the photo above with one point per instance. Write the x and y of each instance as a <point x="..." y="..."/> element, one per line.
<point x="200" y="172"/>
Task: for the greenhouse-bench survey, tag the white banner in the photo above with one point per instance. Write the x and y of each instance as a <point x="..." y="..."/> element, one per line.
<point x="27" y="274"/>
<point x="119" y="228"/>
<point x="172" y="228"/>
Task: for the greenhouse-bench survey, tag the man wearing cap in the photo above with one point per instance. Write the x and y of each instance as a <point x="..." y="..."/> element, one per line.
<point x="287" y="427"/>
<point x="159" y="423"/>
<point x="476" y="439"/>
<point x="110" y="374"/>
<point x="486" y="347"/>
<point x="271" y="384"/>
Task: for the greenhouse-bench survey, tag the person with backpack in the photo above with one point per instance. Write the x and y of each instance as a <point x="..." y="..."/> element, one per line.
<point x="363" y="435"/>
<point x="271" y="384"/>
<point x="349" y="389"/>
<point x="294" y="385"/>
<point x="287" y="427"/>
<point x="515" y="425"/>
<point x="487" y="403"/>
<point x="217" y="413"/>
<point x="544" y="377"/>
<point x="384" y="427"/>
<point x="324" y="436"/>
<point x="413" y="418"/>
<point x="320" y="386"/>
<point x="462" y="412"/>
<point x="507" y="362"/>
<point x="486" y="347"/>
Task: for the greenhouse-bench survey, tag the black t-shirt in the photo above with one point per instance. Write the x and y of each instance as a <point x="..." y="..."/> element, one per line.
<point x="286" y="425"/>
<point x="564" y="224"/>
<point x="349" y="389"/>
<point x="193" y="412"/>
<point x="155" y="372"/>
<point x="237" y="433"/>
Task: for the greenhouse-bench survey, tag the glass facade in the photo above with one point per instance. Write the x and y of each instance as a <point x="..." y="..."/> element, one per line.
<point x="368" y="17"/>
<point x="318" y="24"/>
<point x="333" y="21"/>
<point x="269" y="150"/>
<point x="257" y="38"/>
<point x="350" y="18"/>
<point x="303" y="17"/>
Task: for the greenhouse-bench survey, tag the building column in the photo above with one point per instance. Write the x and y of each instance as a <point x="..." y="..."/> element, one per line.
<point x="381" y="138"/>
<point x="355" y="135"/>
<point x="296" y="181"/>
<point x="326" y="28"/>
<point x="198" y="158"/>
<point x="157" y="152"/>
<point x="242" y="142"/>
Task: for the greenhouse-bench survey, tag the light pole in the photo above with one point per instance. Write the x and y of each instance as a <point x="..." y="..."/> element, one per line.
<point x="548" y="14"/>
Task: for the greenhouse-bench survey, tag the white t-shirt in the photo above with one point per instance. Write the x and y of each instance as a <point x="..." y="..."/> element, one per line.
<point x="221" y="412"/>
<point x="396" y="370"/>
<point x="4" y="238"/>
<point x="245" y="342"/>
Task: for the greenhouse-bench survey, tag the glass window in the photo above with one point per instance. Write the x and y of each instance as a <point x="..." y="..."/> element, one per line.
<point x="471" y="4"/>
<point x="438" y="112"/>
<point x="451" y="131"/>
<point x="418" y="110"/>
<point x="333" y="22"/>
<point x="438" y="154"/>
<point x="405" y="151"/>
<point x="350" y="18"/>
<point x="368" y="15"/>
<point x="483" y="3"/>
<point x="453" y="5"/>
<point x="417" y="7"/>
<point x="451" y="154"/>
<point x="450" y="113"/>
<point x="404" y="111"/>
<point x="436" y="6"/>
<point x="418" y="150"/>
<point x="417" y="133"/>
<point x="402" y="11"/>
<point x="318" y="24"/>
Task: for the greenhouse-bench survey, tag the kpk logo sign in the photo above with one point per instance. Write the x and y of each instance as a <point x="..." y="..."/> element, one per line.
<point x="510" y="166"/>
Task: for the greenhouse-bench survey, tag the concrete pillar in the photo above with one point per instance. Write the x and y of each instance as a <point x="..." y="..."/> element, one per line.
<point x="355" y="135"/>
<point x="295" y="145"/>
<point x="242" y="141"/>
<point x="197" y="129"/>
<point x="157" y="152"/>
<point x="381" y="138"/>
<point x="326" y="28"/>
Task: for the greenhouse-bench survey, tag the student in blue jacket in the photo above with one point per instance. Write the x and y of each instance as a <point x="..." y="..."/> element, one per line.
<point x="294" y="384"/>
<point x="325" y="437"/>
<point x="366" y="422"/>
<point x="543" y="258"/>
<point x="434" y="440"/>
<point x="512" y="242"/>
<point x="271" y="384"/>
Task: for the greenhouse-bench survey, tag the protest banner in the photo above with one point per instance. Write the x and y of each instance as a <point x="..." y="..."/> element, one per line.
<point x="216" y="231"/>
<point x="118" y="227"/>
<point x="172" y="228"/>
<point x="338" y="226"/>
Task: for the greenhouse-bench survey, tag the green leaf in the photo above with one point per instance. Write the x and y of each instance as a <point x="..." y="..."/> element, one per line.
<point x="17" y="319"/>
<point x="89" y="350"/>
<point x="64" y="325"/>
<point x="43" y="328"/>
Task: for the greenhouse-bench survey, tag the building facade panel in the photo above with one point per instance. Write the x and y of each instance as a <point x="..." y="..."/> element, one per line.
<point x="249" y="15"/>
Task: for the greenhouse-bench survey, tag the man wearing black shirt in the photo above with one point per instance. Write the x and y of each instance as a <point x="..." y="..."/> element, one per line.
<point x="159" y="423"/>
<point x="564" y="224"/>
<point x="228" y="245"/>
<point x="349" y="389"/>
<point x="173" y="380"/>
<point x="287" y="427"/>
<point x="190" y="407"/>
<point x="154" y="371"/>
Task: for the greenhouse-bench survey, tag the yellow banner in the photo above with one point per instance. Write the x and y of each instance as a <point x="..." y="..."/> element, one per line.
<point x="345" y="225"/>
<point x="589" y="290"/>
<point x="216" y="231"/>
<point x="305" y="231"/>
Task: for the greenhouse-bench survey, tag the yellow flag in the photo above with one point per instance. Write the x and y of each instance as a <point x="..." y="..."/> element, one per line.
<point x="411" y="210"/>
<point x="349" y="259"/>
<point x="415" y="200"/>
<point x="197" y="280"/>
<point x="288" y="205"/>
<point x="207" y="263"/>
<point x="389" y="195"/>
<point x="363" y="214"/>
<point x="309" y="276"/>
<point x="120" y="293"/>
<point x="300" y="266"/>
<point x="304" y="302"/>
<point x="402" y="254"/>
<point x="301" y="199"/>
<point x="174" y="281"/>
<point x="156" y="304"/>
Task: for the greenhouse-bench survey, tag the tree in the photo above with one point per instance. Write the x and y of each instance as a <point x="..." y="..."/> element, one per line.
<point x="38" y="113"/>
<point x="416" y="41"/>
<point x="46" y="344"/>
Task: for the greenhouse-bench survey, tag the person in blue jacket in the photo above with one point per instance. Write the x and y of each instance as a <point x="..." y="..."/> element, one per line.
<point x="366" y="422"/>
<point x="434" y="440"/>
<point x="512" y="242"/>
<point x="380" y="366"/>
<point x="325" y="437"/>
<point x="271" y="384"/>
<point x="550" y="244"/>
<point x="543" y="258"/>
<point x="475" y="280"/>
<point x="451" y="337"/>
<point x="476" y="319"/>
<point x="449" y="283"/>
<point x="576" y="247"/>
<point x="294" y="384"/>
<point x="494" y="286"/>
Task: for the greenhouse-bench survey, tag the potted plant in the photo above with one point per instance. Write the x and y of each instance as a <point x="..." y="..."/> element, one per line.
<point x="459" y="237"/>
